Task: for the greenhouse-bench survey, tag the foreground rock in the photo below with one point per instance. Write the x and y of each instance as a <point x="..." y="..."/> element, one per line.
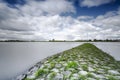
<point x="85" y="62"/>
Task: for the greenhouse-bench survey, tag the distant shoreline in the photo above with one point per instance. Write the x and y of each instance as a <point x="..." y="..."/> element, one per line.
<point x="62" y="41"/>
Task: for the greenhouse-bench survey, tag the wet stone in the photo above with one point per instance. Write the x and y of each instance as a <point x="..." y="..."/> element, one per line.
<point x="58" y="65"/>
<point x="67" y="73"/>
<point x="59" y="76"/>
<point x="113" y="72"/>
<point x="83" y="72"/>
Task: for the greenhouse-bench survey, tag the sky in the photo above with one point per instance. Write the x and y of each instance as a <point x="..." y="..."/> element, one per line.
<point x="59" y="19"/>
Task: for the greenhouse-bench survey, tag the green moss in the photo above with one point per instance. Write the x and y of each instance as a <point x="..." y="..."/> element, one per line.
<point x="28" y="79"/>
<point x="82" y="77"/>
<point x="111" y="78"/>
<point x="52" y="65"/>
<point x="85" y="67"/>
<point x="40" y="73"/>
<point x="90" y="75"/>
<point x="52" y="75"/>
<point x="72" y="65"/>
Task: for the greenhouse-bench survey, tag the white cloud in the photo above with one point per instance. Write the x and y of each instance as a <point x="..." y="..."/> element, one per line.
<point x="47" y="7"/>
<point x="109" y="23"/>
<point x="85" y="18"/>
<point x="34" y="20"/>
<point x="109" y="20"/>
<point x="92" y="3"/>
<point x="7" y="12"/>
<point x="30" y="22"/>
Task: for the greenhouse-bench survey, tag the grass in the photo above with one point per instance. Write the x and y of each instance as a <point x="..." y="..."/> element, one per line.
<point x="72" y="65"/>
<point x="52" y="75"/>
<point x="85" y="67"/>
<point x="110" y="77"/>
<point x="40" y="73"/>
<point x="82" y="77"/>
<point x="28" y="79"/>
<point x="90" y="75"/>
<point x="52" y="65"/>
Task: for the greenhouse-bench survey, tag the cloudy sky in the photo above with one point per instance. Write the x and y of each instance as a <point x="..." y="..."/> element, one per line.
<point x="59" y="19"/>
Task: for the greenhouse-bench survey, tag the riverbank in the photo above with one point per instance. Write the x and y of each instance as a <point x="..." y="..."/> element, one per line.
<point x="82" y="62"/>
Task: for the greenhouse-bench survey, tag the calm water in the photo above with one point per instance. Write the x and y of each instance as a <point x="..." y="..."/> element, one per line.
<point x="113" y="48"/>
<point x="17" y="57"/>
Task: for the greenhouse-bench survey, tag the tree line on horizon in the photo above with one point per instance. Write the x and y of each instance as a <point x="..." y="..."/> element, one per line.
<point x="53" y="40"/>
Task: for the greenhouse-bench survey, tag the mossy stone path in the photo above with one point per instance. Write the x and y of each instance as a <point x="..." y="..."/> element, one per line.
<point x="84" y="62"/>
